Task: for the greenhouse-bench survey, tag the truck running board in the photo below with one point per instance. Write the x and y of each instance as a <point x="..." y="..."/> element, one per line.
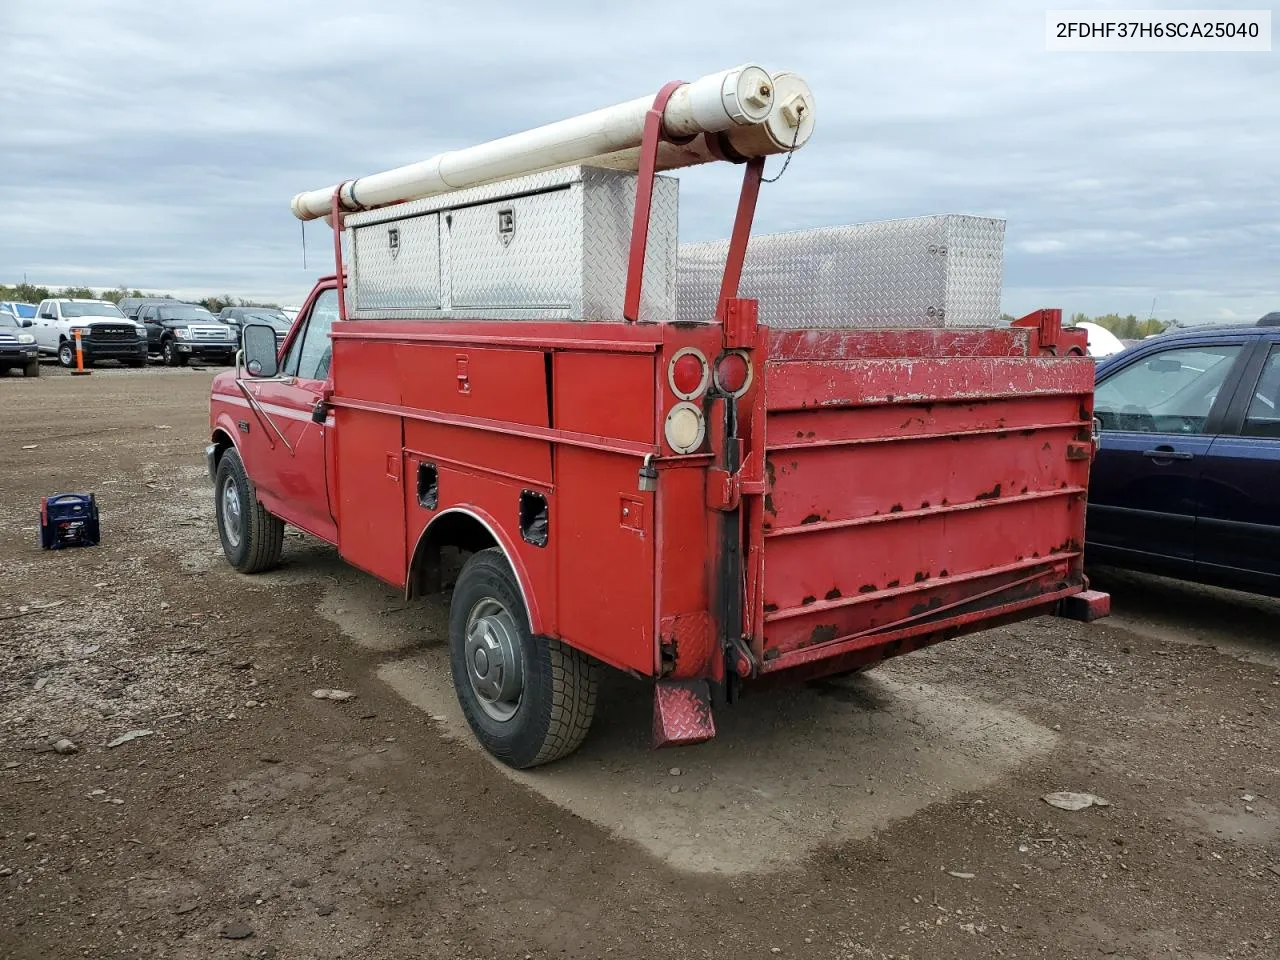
<point x="682" y="713"/>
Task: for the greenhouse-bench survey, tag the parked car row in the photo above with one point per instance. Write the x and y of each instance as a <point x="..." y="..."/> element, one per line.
<point x="131" y="331"/>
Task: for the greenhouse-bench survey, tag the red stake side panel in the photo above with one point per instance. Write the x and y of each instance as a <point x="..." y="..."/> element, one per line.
<point x="916" y="497"/>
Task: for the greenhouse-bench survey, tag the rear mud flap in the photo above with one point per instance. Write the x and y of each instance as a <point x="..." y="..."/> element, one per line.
<point x="682" y="713"/>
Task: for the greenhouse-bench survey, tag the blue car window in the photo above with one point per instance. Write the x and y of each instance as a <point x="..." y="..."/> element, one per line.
<point x="1263" y="417"/>
<point x="1167" y="392"/>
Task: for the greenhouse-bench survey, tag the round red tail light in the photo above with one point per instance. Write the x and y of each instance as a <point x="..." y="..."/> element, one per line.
<point x="733" y="373"/>
<point x="688" y="373"/>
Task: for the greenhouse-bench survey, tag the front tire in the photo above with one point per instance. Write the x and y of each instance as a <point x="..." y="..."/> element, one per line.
<point x="169" y="353"/>
<point x="67" y="354"/>
<point x="252" y="538"/>
<point x="528" y="699"/>
<point x="32" y="368"/>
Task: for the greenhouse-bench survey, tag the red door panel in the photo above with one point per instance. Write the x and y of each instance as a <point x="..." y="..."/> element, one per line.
<point x="369" y="489"/>
<point x="291" y="456"/>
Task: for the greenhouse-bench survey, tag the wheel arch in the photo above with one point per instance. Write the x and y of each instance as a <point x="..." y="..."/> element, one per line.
<point x="468" y="528"/>
<point x="223" y="438"/>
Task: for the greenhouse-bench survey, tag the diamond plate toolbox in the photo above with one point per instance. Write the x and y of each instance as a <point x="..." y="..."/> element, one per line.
<point x="551" y="246"/>
<point x="918" y="272"/>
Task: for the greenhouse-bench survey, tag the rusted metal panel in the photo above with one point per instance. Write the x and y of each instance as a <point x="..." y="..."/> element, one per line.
<point x="913" y="342"/>
<point x="803" y="384"/>
<point x="917" y="494"/>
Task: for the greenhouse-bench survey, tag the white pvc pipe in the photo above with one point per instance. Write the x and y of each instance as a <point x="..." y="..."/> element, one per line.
<point x="741" y="99"/>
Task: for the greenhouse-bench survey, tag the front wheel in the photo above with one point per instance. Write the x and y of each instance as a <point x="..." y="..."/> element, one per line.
<point x="252" y="538"/>
<point x="528" y="699"/>
<point x="32" y="368"/>
<point x="67" y="354"/>
<point x="170" y="354"/>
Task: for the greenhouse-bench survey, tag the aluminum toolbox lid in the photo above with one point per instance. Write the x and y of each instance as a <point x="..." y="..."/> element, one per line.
<point x="933" y="271"/>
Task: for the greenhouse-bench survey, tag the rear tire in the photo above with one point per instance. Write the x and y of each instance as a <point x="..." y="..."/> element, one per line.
<point x="550" y="713"/>
<point x="252" y="538"/>
<point x="32" y="368"/>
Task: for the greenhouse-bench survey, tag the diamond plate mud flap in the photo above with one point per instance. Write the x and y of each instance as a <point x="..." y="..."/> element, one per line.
<point x="682" y="713"/>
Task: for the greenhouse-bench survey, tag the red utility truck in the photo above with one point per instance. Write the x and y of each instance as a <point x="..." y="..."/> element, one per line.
<point x="688" y="494"/>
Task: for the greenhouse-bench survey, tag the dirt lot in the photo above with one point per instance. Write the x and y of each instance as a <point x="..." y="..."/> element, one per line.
<point x="898" y="815"/>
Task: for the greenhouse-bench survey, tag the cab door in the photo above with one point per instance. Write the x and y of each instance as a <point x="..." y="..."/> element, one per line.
<point x="43" y="327"/>
<point x="292" y="452"/>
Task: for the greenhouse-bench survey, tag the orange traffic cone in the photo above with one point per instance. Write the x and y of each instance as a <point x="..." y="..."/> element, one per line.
<point x="80" y="371"/>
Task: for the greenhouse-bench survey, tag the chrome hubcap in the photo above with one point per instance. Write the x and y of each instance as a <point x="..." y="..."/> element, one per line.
<point x="66" y="356"/>
<point x="231" y="519"/>
<point x="493" y="659"/>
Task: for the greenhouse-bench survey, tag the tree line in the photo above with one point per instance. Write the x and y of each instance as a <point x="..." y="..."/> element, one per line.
<point x="1128" y="327"/>
<point x="30" y="293"/>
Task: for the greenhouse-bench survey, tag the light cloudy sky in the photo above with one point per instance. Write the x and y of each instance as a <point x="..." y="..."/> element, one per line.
<point x="156" y="145"/>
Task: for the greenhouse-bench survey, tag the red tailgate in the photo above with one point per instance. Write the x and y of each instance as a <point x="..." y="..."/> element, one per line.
<point x="919" y="484"/>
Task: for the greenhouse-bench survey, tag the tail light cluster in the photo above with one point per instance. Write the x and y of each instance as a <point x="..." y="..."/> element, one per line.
<point x="689" y="376"/>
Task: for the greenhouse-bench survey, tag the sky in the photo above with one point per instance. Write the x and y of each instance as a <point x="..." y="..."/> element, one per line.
<point x="158" y="145"/>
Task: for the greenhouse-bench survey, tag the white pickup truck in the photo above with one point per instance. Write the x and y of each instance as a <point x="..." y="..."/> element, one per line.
<point x="105" y="332"/>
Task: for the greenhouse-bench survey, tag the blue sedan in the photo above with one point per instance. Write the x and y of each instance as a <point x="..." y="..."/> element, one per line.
<point x="1187" y="479"/>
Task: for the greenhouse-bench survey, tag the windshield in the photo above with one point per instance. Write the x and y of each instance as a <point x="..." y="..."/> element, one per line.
<point x="27" y="310"/>
<point x="90" y="310"/>
<point x="278" y="321"/>
<point x="186" y="313"/>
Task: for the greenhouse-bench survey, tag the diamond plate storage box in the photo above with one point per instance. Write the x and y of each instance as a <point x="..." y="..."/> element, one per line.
<point x="918" y="272"/>
<point x="552" y="246"/>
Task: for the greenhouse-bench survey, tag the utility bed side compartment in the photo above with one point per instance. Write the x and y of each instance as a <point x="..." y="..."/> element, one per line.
<point x="916" y="496"/>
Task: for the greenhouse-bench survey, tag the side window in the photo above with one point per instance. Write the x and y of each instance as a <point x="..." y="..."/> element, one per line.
<point x="1263" y="416"/>
<point x="311" y="349"/>
<point x="1167" y="392"/>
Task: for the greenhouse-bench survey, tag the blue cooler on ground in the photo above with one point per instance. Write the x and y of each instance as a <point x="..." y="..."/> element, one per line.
<point x="68" y="520"/>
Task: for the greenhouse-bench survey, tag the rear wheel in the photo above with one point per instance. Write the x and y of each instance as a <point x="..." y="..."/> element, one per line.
<point x="252" y="538"/>
<point x="32" y="368"/>
<point x="528" y="699"/>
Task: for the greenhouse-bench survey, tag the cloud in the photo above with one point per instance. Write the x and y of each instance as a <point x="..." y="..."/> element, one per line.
<point x="158" y="145"/>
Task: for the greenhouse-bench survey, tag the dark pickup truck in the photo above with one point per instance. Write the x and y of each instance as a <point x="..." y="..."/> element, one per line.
<point x="177" y="332"/>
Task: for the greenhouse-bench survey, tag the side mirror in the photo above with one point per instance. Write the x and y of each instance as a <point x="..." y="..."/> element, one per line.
<point x="47" y="316"/>
<point x="260" y="350"/>
<point x="25" y="321"/>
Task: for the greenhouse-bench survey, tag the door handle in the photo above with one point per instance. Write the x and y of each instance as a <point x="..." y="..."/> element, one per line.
<point x="1167" y="454"/>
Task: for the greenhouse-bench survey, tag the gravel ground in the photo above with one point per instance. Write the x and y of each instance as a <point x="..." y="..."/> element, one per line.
<point x="898" y="815"/>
